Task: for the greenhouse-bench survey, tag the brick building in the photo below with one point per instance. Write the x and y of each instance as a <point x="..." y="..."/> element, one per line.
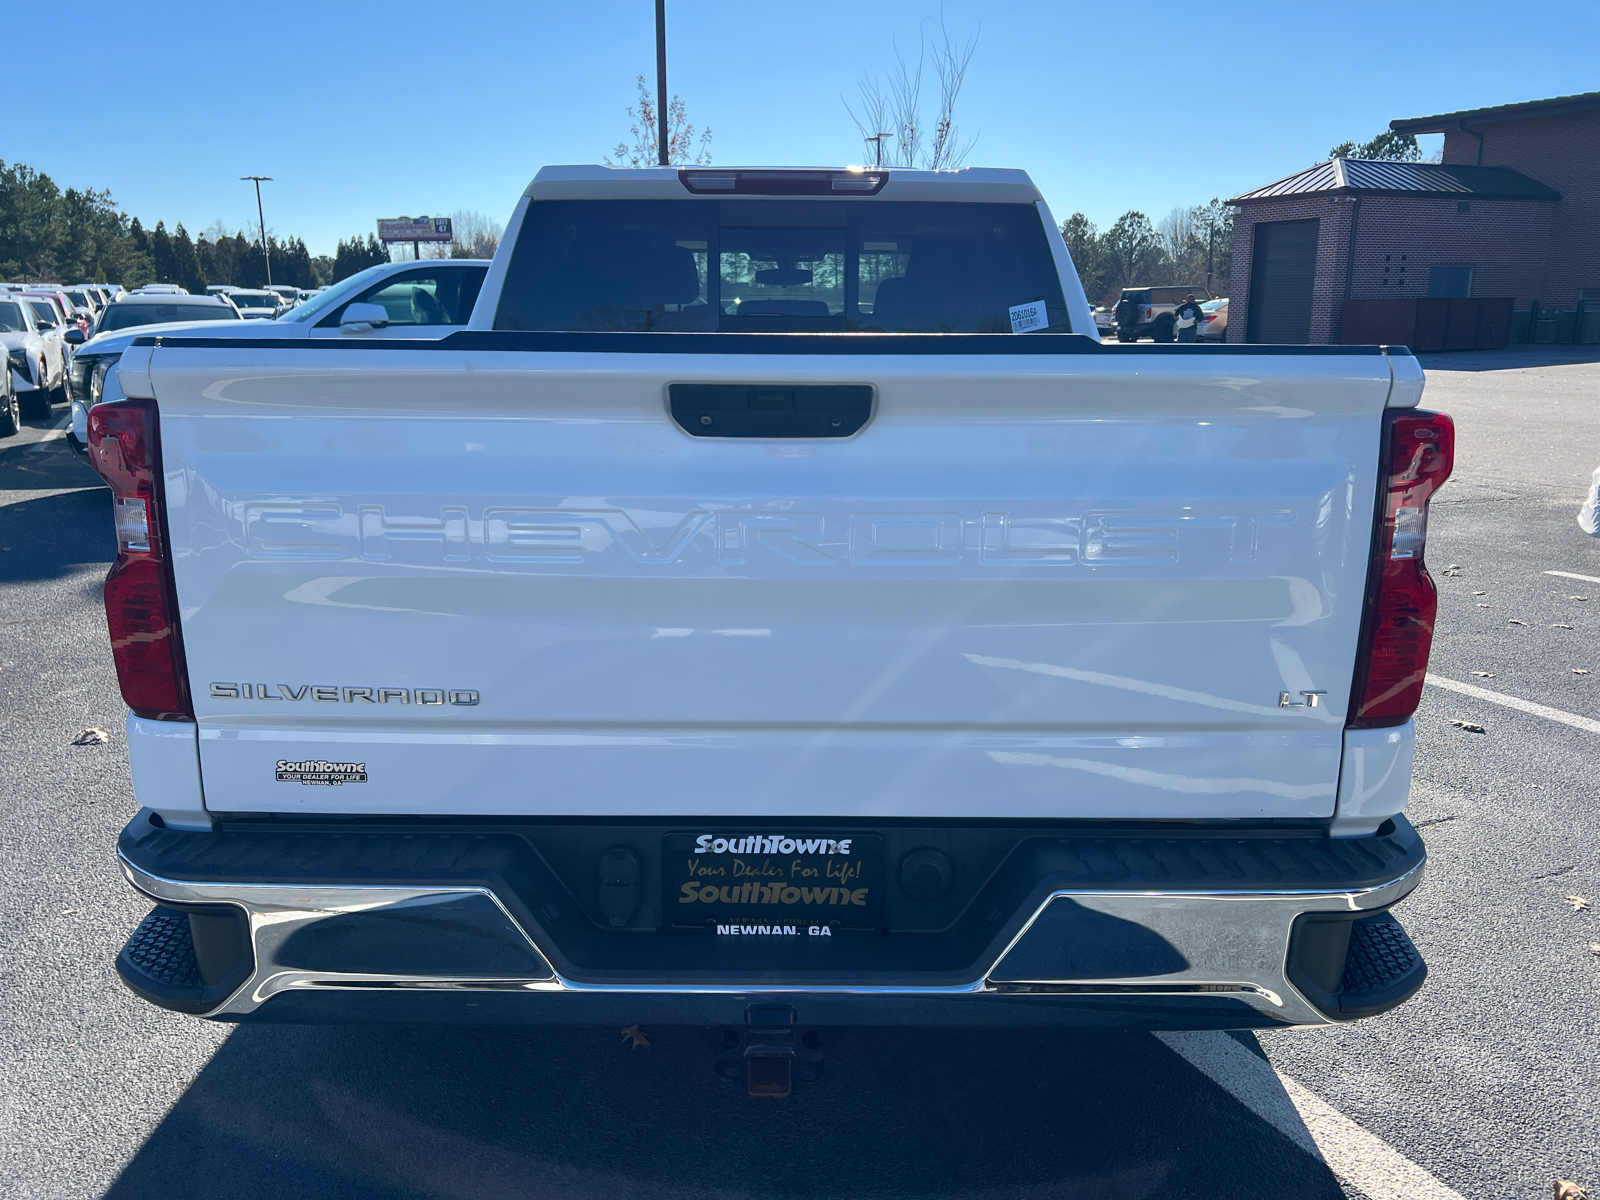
<point x="1556" y="142"/>
<point x="1512" y="211"/>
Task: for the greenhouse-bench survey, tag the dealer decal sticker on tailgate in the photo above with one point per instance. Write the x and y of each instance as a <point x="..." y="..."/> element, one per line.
<point x="316" y="772"/>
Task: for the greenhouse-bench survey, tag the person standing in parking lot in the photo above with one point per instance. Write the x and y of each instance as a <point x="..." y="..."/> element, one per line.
<point x="1188" y="317"/>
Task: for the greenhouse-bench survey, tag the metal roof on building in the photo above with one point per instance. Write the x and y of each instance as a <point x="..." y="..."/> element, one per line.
<point x="1555" y="106"/>
<point x="1376" y="176"/>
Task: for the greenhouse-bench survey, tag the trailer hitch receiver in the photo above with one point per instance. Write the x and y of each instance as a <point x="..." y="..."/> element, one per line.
<point x="769" y="1050"/>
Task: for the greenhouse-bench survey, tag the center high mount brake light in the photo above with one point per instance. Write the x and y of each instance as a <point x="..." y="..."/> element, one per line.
<point x="784" y="183"/>
<point x="141" y="600"/>
<point x="1397" y="626"/>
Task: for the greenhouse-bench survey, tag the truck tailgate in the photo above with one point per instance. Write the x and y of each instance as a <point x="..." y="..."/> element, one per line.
<point x="509" y="582"/>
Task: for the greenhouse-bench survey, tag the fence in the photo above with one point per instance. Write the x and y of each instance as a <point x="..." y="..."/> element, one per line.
<point x="1551" y="326"/>
<point x="1429" y="323"/>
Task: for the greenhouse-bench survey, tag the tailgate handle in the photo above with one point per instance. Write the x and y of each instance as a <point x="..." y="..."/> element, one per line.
<point x="743" y="410"/>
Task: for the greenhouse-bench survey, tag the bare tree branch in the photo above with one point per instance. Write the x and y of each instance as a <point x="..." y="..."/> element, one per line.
<point x="905" y="98"/>
<point x="1179" y="230"/>
<point x="681" y="148"/>
<point x="893" y="111"/>
<point x="874" y="122"/>
<point x="948" y="150"/>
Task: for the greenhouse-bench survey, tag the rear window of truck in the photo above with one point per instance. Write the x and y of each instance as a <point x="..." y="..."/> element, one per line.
<point x="695" y="266"/>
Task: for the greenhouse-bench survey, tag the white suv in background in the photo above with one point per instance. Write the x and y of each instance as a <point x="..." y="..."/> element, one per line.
<point x="36" y="352"/>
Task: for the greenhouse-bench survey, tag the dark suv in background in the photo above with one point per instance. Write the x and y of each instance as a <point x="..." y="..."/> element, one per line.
<point x="1151" y="311"/>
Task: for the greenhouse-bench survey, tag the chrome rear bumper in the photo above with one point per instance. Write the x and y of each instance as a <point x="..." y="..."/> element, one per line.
<point x="1206" y="944"/>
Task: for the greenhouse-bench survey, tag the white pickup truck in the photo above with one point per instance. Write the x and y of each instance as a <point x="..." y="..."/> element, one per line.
<point x="776" y="609"/>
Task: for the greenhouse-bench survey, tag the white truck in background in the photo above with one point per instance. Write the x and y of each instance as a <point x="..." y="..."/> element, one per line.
<point x="776" y="609"/>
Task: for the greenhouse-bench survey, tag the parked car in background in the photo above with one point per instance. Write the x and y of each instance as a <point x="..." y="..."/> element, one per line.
<point x="256" y="304"/>
<point x="131" y="317"/>
<point x="1105" y="321"/>
<point x="415" y="300"/>
<point x="1213" y="320"/>
<point x="1152" y="311"/>
<point x="161" y="289"/>
<point x="65" y="314"/>
<point x="10" y="404"/>
<point x="85" y="298"/>
<point x="53" y="310"/>
<point x="35" y="354"/>
<point x="288" y="293"/>
<point x="138" y="308"/>
<point x="449" y="289"/>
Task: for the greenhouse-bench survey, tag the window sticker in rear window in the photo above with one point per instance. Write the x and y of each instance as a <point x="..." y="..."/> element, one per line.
<point x="1030" y="316"/>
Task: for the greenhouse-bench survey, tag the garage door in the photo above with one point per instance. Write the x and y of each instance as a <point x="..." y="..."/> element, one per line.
<point x="1283" y="270"/>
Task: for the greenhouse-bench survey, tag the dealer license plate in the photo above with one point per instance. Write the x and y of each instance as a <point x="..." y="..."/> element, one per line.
<point x="761" y="883"/>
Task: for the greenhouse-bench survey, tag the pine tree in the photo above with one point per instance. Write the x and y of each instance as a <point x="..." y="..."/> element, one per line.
<point x="161" y="252"/>
<point x="241" y="253"/>
<point x="250" y="271"/>
<point x="190" y="274"/>
<point x="356" y="255"/>
<point x="291" y="263"/>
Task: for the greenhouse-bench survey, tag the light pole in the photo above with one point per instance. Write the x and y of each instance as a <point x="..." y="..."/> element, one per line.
<point x="662" y="157"/>
<point x="1211" y="245"/>
<point x="265" y="253"/>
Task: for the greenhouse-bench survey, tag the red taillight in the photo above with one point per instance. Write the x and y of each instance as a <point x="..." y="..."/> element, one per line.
<point x="141" y="608"/>
<point x="1397" y="630"/>
<point x="1148" y="313"/>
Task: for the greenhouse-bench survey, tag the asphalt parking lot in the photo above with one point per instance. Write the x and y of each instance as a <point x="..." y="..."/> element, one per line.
<point x="1484" y="1086"/>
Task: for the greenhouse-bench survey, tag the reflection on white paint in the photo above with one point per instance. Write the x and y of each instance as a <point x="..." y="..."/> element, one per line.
<point x="1291" y="667"/>
<point x="322" y="591"/>
<point x="673" y="632"/>
<point x="1142" y="686"/>
<point x="1163" y="780"/>
<point x="1305" y="599"/>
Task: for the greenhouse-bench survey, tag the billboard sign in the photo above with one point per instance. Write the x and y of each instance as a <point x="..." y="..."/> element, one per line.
<point x="414" y="229"/>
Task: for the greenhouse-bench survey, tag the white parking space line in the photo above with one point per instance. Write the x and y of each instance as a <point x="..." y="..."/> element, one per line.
<point x="1587" y="724"/>
<point x="1573" y="575"/>
<point x="55" y="433"/>
<point x="1359" y="1159"/>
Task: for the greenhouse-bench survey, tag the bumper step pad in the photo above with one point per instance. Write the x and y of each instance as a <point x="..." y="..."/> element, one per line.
<point x="161" y="950"/>
<point x="1351" y="967"/>
<point x="188" y="960"/>
<point x="1381" y="970"/>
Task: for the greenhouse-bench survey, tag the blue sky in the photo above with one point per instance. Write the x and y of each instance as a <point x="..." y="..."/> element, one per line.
<point x="362" y="111"/>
